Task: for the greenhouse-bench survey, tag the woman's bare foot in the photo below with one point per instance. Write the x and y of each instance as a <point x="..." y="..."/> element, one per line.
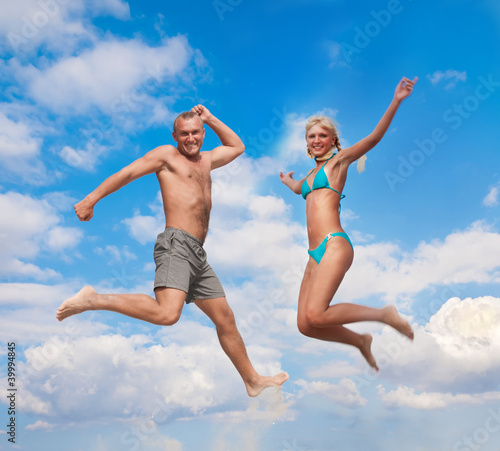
<point x="393" y="319"/>
<point x="80" y="302"/>
<point x="366" y="350"/>
<point x="263" y="382"/>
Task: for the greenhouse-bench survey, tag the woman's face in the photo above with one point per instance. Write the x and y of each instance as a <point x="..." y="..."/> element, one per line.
<point x="319" y="140"/>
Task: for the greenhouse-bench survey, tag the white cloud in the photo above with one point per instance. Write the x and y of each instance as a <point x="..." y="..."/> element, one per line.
<point x="458" y="350"/>
<point x="40" y="425"/>
<point x="462" y="257"/>
<point x="16" y="139"/>
<point x="451" y="76"/>
<point x="116" y="255"/>
<point x="344" y="393"/>
<point x="256" y="244"/>
<point x="144" y="228"/>
<point x="115" y="8"/>
<point x="20" y="151"/>
<point x="131" y="375"/>
<point x="116" y="76"/>
<point x="26" y="24"/>
<point x="60" y="239"/>
<point x="25" y="224"/>
<point x="333" y="370"/>
<point x="28" y="317"/>
<point x="31" y="295"/>
<point x="84" y="159"/>
<point x="272" y="405"/>
<point x="491" y="199"/>
<point x="406" y="397"/>
<point x="250" y="231"/>
<point x="60" y="25"/>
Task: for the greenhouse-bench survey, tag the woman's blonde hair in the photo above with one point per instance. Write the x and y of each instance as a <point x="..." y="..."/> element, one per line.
<point x="326" y="123"/>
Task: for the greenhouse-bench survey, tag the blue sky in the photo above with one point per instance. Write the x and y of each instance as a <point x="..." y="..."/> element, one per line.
<point x="89" y="86"/>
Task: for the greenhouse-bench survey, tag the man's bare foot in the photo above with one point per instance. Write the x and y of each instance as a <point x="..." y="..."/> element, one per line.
<point x="263" y="382"/>
<point x="366" y="350"/>
<point x="80" y="302"/>
<point x="393" y="319"/>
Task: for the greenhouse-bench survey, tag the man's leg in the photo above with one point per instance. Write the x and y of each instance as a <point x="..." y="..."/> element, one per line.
<point x="165" y="310"/>
<point x="222" y="316"/>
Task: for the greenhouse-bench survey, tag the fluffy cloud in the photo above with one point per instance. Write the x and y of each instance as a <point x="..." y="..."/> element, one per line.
<point x="144" y="229"/>
<point x="116" y="76"/>
<point x="16" y="139"/>
<point x="19" y="151"/>
<point x="491" y="198"/>
<point x="457" y="351"/>
<point x="406" y="397"/>
<point x="28" y="226"/>
<point x="28" y="317"/>
<point x="131" y="375"/>
<point x="248" y="230"/>
<point x="462" y="257"/>
<point x="344" y="393"/>
<point x="60" y="239"/>
<point x="27" y="24"/>
<point x="115" y="254"/>
<point x="84" y="159"/>
<point x="40" y="425"/>
<point x="334" y="369"/>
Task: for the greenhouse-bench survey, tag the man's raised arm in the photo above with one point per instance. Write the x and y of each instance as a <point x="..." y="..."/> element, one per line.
<point x="232" y="146"/>
<point x="150" y="163"/>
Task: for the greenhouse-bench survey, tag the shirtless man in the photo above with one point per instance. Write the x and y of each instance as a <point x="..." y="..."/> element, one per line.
<point x="182" y="271"/>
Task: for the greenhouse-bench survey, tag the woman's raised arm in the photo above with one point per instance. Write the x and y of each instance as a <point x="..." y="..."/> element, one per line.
<point x="403" y="90"/>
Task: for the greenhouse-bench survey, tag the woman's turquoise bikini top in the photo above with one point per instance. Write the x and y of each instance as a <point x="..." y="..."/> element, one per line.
<point x="320" y="181"/>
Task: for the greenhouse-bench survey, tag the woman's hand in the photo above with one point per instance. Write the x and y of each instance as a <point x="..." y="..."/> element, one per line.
<point x="404" y="88"/>
<point x="287" y="178"/>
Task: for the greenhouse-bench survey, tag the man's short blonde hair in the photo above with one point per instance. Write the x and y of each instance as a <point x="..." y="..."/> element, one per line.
<point x="185" y="115"/>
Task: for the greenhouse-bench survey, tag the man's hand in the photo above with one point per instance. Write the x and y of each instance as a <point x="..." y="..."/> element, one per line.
<point x="203" y="112"/>
<point x="84" y="210"/>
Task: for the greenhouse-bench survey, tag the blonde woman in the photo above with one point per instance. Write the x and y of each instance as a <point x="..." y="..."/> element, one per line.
<point x="331" y="252"/>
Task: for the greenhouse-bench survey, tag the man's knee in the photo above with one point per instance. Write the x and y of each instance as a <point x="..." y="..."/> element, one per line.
<point x="171" y="303"/>
<point x="224" y="319"/>
<point x="167" y="318"/>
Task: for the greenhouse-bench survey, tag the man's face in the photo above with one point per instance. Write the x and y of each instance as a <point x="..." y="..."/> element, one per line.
<point x="189" y="136"/>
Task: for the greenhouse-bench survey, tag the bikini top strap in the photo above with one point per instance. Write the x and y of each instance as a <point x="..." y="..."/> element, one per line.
<point x="309" y="173"/>
<point x="328" y="160"/>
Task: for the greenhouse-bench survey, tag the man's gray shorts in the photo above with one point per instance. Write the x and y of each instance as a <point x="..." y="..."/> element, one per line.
<point x="181" y="262"/>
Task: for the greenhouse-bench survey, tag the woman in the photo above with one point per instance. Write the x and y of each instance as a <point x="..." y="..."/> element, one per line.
<point x="331" y="252"/>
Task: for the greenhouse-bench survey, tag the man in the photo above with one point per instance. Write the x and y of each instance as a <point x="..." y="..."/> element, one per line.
<point x="182" y="272"/>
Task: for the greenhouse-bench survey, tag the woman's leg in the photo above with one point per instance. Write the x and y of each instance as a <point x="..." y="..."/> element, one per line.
<point x="334" y="333"/>
<point x="328" y="276"/>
